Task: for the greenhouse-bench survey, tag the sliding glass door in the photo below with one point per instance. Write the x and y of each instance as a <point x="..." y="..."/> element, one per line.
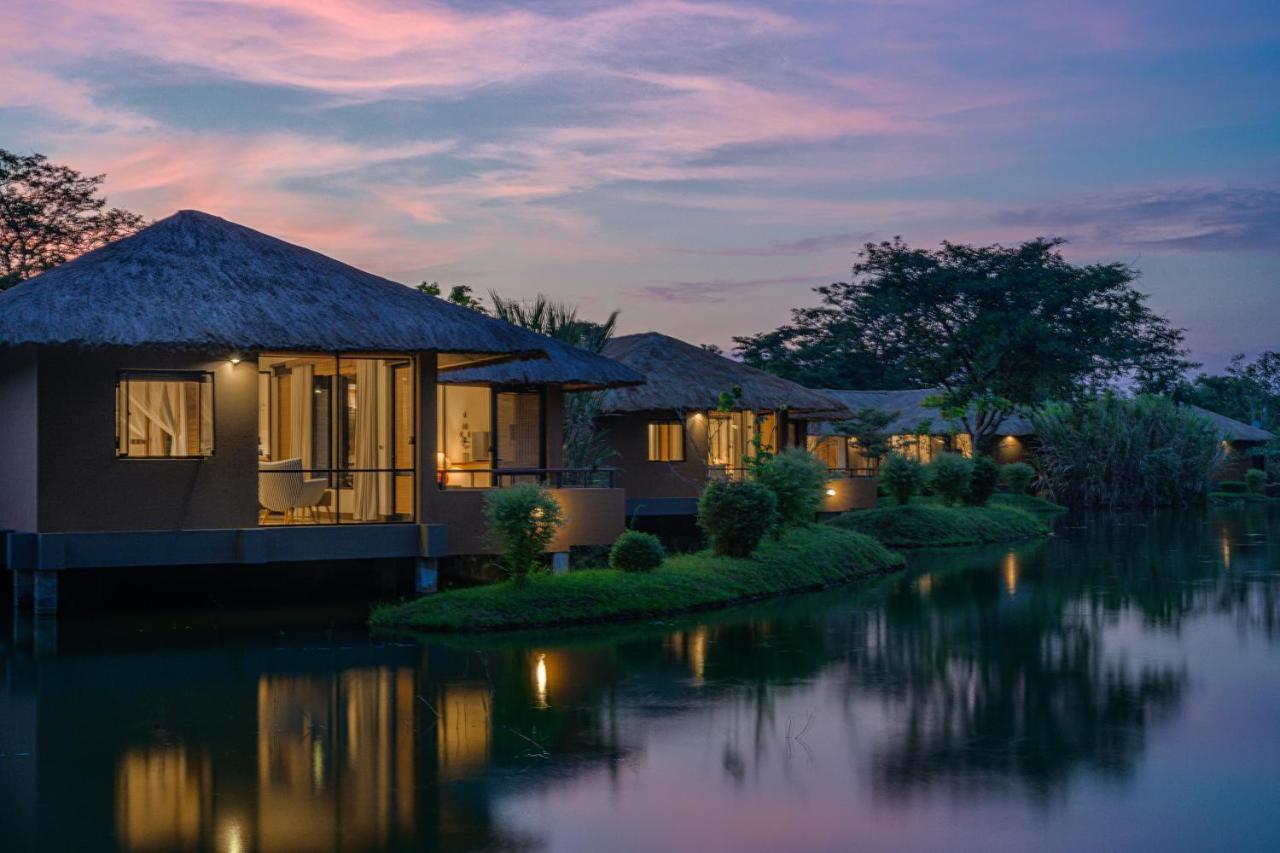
<point x="336" y="439"/>
<point x="489" y="437"/>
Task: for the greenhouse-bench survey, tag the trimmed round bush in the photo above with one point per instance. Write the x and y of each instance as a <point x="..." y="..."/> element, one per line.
<point x="901" y="477"/>
<point x="983" y="481"/>
<point x="636" y="551"/>
<point x="797" y="481"/>
<point x="949" y="477"/>
<point x="522" y="520"/>
<point x="1017" y="477"/>
<point x="736" y="516"/>
<point x="1256" y="481"/>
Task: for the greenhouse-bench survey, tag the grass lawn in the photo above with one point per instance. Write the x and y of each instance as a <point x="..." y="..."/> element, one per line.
<point x="1026" y="503"/>
<point x="1239" y="497"/>
<point x="804" y="559"/>
<point x="931" y="525"/>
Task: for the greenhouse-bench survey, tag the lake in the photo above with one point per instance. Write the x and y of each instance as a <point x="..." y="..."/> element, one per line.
<point x="1114" y="688"/>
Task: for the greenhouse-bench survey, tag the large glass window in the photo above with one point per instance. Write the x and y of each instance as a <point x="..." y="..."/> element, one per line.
<point x="487" y="437"/>
<point x="666" y="441"/>
<point x="164" y="414"/>
<point x="336" y="439"/>
<point x="832" y="450"/>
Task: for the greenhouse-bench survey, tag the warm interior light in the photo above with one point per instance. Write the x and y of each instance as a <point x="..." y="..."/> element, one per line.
<point x="831" y="493"/>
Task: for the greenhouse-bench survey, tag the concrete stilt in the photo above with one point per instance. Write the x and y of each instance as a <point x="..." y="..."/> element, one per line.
<point x="426" y="576"/>
<point x="46" y="593"/>
<point x="45" y="636"/>
<point x="24" y="591"/>
<point x="560" y="563"/>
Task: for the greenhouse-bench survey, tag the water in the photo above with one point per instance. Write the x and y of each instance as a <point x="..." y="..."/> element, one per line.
<point x="1115" y="688"/>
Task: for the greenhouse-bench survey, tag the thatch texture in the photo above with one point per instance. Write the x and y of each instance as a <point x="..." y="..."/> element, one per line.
<point x="1230" y="429"/>
<point x="683" y="377"/>
<point x="575" y="368"/>
<point x="910" y="413"/>
<point x="196" y="281"/>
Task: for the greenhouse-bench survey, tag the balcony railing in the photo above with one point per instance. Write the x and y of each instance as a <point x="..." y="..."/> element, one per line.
<point x="737" y="475"/>
<point x="554" y="478"/>
<point x="295" y="495"/>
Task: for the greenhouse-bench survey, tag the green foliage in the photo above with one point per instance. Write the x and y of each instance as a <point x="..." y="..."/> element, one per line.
<point x="1233" y="487"/>
<point x="1249" y="391"/>
<point x="902" y="477"/>
<point x="1027" y="503"/>
<point x="982" y="481"/>
<point x="635" y="551"/>
<point x="522" y="520"/>
<point x="1017" y="477"/>
<point x="49" y="214"/>
<point x="736" y="516"/>
<point x="949" y="475"/>
<point x="870" y="426"/>
<point x="1111" y="451"/>
<point x="805" y="558"/>
<point x="797" y="481"/>
<point x="1256" y="481"/>
<point x="922" y="525"/>
<point x="459" y="294"/>
<point x="996" y="328"/>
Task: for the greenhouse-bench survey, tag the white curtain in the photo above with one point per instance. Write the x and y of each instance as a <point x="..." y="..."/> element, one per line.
<point x="302" y="379"/>
<point x="365" y="441"/>
<point x="161" y="424"/>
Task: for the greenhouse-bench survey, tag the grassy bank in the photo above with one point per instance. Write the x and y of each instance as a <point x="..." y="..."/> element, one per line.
<point x="804" y="559"/>
<point x="924" y="525"/>
<point x="1026" y="503"/>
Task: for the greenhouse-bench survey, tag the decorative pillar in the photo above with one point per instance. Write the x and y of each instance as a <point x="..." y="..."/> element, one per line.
<point x="24" y="590"/>
<point x="425" y="435"/>
<point x="46" y="593"/>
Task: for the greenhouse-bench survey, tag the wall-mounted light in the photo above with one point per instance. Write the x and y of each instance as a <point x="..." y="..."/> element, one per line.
<point x="831" y="493"/>
<point x="234" y="358"/>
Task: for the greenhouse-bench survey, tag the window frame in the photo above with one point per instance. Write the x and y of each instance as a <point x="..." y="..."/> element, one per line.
<point x="682" y="444"/>
<point x="167" y="375"/>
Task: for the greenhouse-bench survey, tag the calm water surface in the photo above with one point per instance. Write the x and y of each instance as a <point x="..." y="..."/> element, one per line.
<point x="1117" y="687"/>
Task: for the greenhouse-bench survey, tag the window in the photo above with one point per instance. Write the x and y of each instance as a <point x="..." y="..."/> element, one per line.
<point x="487" y="437"/>
<point x="832" y="450"/>
<point x="666" y="441"/>
<point x="164" y="414"/>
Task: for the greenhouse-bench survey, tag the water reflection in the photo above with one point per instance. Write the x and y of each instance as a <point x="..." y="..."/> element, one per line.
<point x="1003" y="678"/>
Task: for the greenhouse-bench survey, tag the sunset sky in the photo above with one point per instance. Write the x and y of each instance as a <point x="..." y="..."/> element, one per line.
<point x="700" y="166"/>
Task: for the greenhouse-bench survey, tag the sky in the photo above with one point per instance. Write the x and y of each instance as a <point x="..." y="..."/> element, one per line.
<point x="700" y="166"/>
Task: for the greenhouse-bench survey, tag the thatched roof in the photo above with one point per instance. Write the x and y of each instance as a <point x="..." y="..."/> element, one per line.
<point x="1230" y="429"/>
<point x="196" y="281"/>
<point x="683" y="377"/>
<point x="577" y="369"/>
<point x="910" y="413"/>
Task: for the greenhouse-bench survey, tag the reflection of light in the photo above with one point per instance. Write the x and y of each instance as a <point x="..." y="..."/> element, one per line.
<point x="924" y="584"/>
<point x="1226" y="553"/>
<point x="698" y="654"/>
<point x="1011" y="572"/>
<point x="540" y="680"/>
<point x="232" y="836"/>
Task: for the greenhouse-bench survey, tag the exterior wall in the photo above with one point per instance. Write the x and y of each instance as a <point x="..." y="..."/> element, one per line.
<point x="1011" y="449"/>
<point x="1236" y="459"/>
<point x="85" y="487"/>
<point x="628" y="435"/>
<point x="19" y="426"/>
<point x="592" y="517"/>
<point x="850" y="493"/>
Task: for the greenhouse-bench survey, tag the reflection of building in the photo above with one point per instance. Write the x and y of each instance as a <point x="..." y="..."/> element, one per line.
<point x="464" y="730"/>
<point x="164" y="798"/>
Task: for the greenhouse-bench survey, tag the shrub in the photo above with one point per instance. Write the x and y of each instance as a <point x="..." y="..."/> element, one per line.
<point x="901" y="477"/>
<point x="736" y="516"/>
<point x="983" y="480"/>
<point x="1017" y="477"/>
<point x="522" y="522"/>
<point x="1111" y="451"/>
<point x="635" y="551"/>
<point x="1233" y="487"/>
<point x="797" y="481"/>
<point x="949" y="477"/>
<point x="1256" y="481"/>
<point x="930" y="526"/>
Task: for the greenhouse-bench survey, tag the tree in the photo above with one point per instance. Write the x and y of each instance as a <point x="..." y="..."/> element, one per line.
<point x="1249" y="391"/>
<point x="459" y="294"/>
<point x="995" y="328"/>
<point x="871" y="428"/>
<point x="50" y="214"/>
<point x="584" y="444"/>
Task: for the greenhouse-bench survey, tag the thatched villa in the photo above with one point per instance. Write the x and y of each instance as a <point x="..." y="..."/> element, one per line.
<point x="675" y="432"/>
<point x="920" y="432"/>
<point x="202" y="393"/>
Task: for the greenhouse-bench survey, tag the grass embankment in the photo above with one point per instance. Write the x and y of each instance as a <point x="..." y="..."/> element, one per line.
<point x="924" y="525"/>
<point x="804" y="559"/>
<point x="1026" y="503"/>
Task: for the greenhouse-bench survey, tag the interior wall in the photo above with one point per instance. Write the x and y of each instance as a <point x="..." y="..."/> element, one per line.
<point x="19" y="426"/>
<point x="85" y="487"/>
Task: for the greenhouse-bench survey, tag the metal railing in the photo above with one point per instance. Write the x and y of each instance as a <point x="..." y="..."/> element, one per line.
<point x="724" y="473"/>
<point x="326" y="495"/>
<point x="554" y="478"/>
